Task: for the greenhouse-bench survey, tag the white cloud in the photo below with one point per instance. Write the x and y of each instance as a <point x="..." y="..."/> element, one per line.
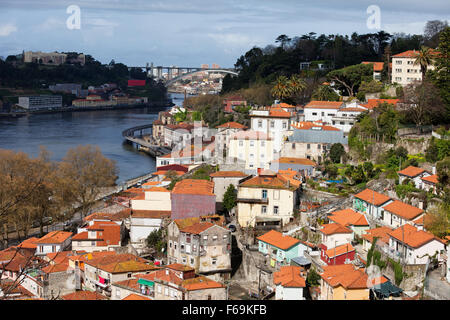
<point x="7" y="29"/>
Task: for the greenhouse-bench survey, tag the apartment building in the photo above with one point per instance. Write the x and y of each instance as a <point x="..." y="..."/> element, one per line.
<point x="404" y="71"/>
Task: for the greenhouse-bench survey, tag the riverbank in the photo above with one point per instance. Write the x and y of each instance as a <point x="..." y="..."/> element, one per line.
<point x="157" y="105"/>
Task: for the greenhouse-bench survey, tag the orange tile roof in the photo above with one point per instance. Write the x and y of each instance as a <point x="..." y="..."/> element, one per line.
<point x="84" y="295"/>
<point x="333" y="228"/>
<point x="412" y="54"/>
<point x="377" y="66"/>
<point x="157" y="189"/>
<point x="372" y="197"/>
<point x="153" y="214"/>
<point x="279" y="113"/>
<point x="193" y="186"/>
<point x="412" y="236"/>
<point x="53" y="268"/>
<point x="54" y="237"/>
<point x="285" y="105"/>
<point x="58" y="257"/>
<point x="186" y="222"/>
<point x="403" y="210"/>
<point x="348" y="217"/>
<point x="200" y="283"/>
<point x="134" y="296"/>
<point x="382" y="233"/>
<point x="278" y="240"/>
<point x="372" y="103"/>
<point x="271" y="182"/>
<point x="411" y="171"/>
<point x="151" y="183"/>
<point x="121" y="263"/>
<point x="197" y="228"/>
<point x="291" y="176"/>
<point x="232" y="125"/>
<point x="289" y="276"/>
<point x="119" y="216"/>
<point x="308" y="125"/>
<point x="431" y="179"/>
<point x="344" y="275"/>
<point x="29" y="243"/>
<point x="225" y="174"/>
<point x="179" y="267"/>
<point x="339" y="250"/>
<point x="129" y="283"/>
<point x="323" y="104"/>
<point x="302" y="161"/>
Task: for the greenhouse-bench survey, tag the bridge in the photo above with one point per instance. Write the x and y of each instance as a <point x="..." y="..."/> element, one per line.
<point x="176" y="73"/>
<point x="153" y="149"/>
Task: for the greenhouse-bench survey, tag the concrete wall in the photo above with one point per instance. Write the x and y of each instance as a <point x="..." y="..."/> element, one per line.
<point x="221" y="185"/>
<point x="297" y="149"/>
<point x="262" y="155"/>
<point x="189" y="205"/>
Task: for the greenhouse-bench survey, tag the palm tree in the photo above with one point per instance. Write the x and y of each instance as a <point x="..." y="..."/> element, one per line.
<point x="297" y="84"/>
<point x="424" y="58"/>
<point x="282" y="89"/>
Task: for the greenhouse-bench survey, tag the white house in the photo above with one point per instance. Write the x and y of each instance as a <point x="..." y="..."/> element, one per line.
<point x="55" y="241"/>
<point x="397" y="213"/>
<point x="415" y="246"/>
<point x="404" y="71"/>
<point x="370" y="203"/>
<point x="413" y="173"/>
<point x="154" y="198"/>
<point x="290" y="283"/>
<point x="144" y="222"/>
<point x="334" y="234"/>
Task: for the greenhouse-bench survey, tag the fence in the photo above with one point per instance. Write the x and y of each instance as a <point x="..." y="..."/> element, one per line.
<point x="414" y="130"/>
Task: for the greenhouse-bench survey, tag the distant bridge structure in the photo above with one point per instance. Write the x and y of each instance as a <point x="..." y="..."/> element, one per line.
<point x="177" y="73"/>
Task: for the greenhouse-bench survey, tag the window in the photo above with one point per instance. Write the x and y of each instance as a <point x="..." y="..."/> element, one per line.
<point x="398" y="62"/>
<point x="272" y="124"/>
<point x="323" y="113"/>
<point x="262" y="155"/>
<point x="205" y="237"/>
<point x="184" y="260"/>
<point x="225" y="236"/>
<point x="259" y="123"/>
<point x="251" y="155"/>
<point x="129" y="275"/>
<point x="284" y="125"/>
<point x="264" y="194"/>
<point x="398" y="78"/>
<point x="188" y="248"/>
<point x="182" y="247"/>
<point x="166" y="291"/>
<point x="214" y="237"/>
<point x="214" y="261"/>
<point x="263" y="209"/>
<point x="293" y="145"/>
<point x="308" y="146"/>
<point x="314" y="113"/>
<point x="159" y="288"/>
<point x="192" y="260"/>
<point x="252" y="143"/>
<point x="275" y="209"/>
<point x="318" y="146"/>
<point x="263" y="143"/>
<point x="175" y="245"/>
<point x="342" y="122"/>
<point x="398" y="70"/>
<point x="170" y="244"/>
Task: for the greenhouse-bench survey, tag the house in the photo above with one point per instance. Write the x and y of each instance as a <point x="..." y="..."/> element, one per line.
<point x="429" y="183"/>
<point x="134" y="296"/>
<point x="54" y="241"/>
<point x="355" y="221"/>
<point x="273" y="121"/>
<point x="84" y="295"/>
<point x="382" y="235"/>
<point x="180" y="134"/>
<point x="193" y="198"/>
<point x="100" y="272"/>
<point x="223" y="135"/>
<point x="179" y="282"/>
<point x="153" y="198"/>
<point x="333" y="235"/>
<point x="190" y="152"/>
<point x="343" y="282"/>
<point x="377" y="69"/>
<point x="223" y="179"/>
<point x="370" y="203"/>
<point x="404" y="71"/>
<point x="413" y="173"/>
<point x="254" y="148"/>
<point x="231" y="102"/>
<point x="312" y="140"/>
<point x="397" y="213"/>
<point x="203" y="245"/>
<point x="305" y="166"/>
<point x="122" y="289"/>
<point x="341" y="254"/>
<point x="290" y="283"/>
<point x="14" y="260"/>
<point x="144" y="222"/>
<point x="99" y="236"/>
<point x="76" y="263"/>
<point x="11" y="290"/>
<point x="415" y="246"/>
<point x="266" y="200"/>
<point x="279" y="248"/>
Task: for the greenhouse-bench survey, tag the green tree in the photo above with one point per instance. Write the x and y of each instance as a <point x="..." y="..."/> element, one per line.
<point x="368" y="168"/>
<point x="438" y="220"/>
<point x="358" y="175"/>
<point x="155" y="240"/>
<point x="336" y="152"/>
<point x="443" y="175"/>
<point x="229" y="198"/>
<point x="431" y="153"/>
<point x="424" y="59"/>
<point x="313" y="278"/>
<point x="325" y="93"/>
<point x="350" y="77"/>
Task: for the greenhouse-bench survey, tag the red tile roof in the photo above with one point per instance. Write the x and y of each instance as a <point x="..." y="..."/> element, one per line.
<point x="84" y="295"/>
<point x="334" y="228"/>
<point x="29" y="243"/>
<point x="412" y="54"/>
<point x="372" y="197"/>
<point x="266" y="181"/>
<point x="54" y="237"/>
<point x="372" y="103"/>
<point x="412" y="236"/>
<point x="232" y="125"/>
<point x="134" y="296"/>
<point x="53" y="268"/>
<point x="348" y="217"/>
<point x="339" y="250"/>
<point x="193" y="186"/>
<point x="197" y="227"/>
<point x="302" y="161"/>
<point x="382" y="233"/>
<point x="290" y="277"/>
<point x="121" y="263"/>
<point x="153" y="214"/>
<point x="431" y="179"/>
<point x="403" y="210"/>
<point x="279" y="113"/>
<point x="344" y="275"/>
<point x="323" y="104"/>
<point x="278" y="240"/>
<point x="377" y="66"/>
<point x="179" y="267"/>
<point x="308" y="125"/>
<point x="411" y="171"/>
<point x="200" y="283"/>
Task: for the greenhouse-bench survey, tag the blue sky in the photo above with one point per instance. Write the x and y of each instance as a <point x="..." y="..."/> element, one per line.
<point x="192" y="32"/>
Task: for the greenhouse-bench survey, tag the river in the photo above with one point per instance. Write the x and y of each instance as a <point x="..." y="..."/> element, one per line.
<point x="62" y="131"/>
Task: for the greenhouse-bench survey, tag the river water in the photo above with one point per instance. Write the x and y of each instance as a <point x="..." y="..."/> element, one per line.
<point x="60" y="132"/>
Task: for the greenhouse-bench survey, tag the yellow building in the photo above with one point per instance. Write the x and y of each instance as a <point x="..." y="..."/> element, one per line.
<point x="344" y="282"/>
<point x="267" y="199"/>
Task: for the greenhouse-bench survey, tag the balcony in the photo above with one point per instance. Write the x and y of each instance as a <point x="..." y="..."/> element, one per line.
<point x="248" y="200"/>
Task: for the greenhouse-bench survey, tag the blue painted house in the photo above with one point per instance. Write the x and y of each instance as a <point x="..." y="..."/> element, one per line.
<point x="279" y="247"/>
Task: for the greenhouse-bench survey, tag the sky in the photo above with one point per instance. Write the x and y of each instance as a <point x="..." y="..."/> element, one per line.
<point x="189" y="33"/>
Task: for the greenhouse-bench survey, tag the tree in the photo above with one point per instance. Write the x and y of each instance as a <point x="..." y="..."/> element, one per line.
<point x="437" y="220"/>
<point x="443" y="174"/>
<point x="432" y="31"/>
<point x="155" y="240"/>
<point x="229" y="198"/>
<point x="283" y="40"/>
<point x="424" y="59"/>
<point x="287" y="88"/>
<point x="368" y="168"/>
<point x="351" y="77"/>
<point x="358" y="175"/>
<point x="83" y="172"/>
<point x="313" y="278"/>
<point x="336" y="152"/>
<point x="325" y="93"/>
